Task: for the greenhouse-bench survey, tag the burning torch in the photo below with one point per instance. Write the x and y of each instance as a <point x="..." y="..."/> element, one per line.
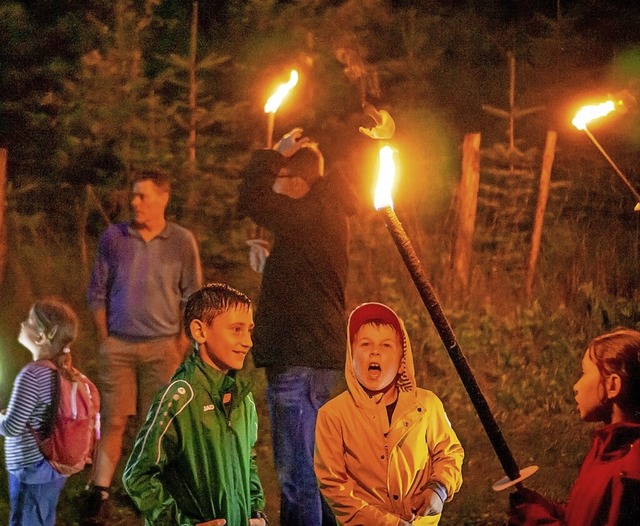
<point x="587" y="114"/>
<point x="384" y="204"/>
<point x="273" y="103"/>
<point x="258" y="246"/>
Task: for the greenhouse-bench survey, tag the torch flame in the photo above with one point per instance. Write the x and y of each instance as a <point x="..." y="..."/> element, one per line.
<point x="276" y="99"/>
<point x="588" y="113"/>
<point x="386" y="175"/>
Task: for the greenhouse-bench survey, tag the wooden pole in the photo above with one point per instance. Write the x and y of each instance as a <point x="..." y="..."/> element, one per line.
<point x="543" y="195"/>
<point x="3" y="226"/>
<point x="613" y="165"/>
<point x="271" y="118"/>
<point x="467" y="208"/>
<point x="441" y="323"/>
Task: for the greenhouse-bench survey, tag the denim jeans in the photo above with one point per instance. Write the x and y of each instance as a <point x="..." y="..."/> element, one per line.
<point x="294" y="396"/>
<point x="33" y="494"/>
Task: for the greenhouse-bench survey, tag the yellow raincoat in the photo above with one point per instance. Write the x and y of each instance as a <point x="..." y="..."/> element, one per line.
<point x="373" y="473"/>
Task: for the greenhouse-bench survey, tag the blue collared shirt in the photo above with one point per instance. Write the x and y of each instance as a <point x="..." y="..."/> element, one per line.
<point x="144" y="285"/>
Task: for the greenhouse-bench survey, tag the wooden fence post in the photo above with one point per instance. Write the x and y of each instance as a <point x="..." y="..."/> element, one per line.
<point x="543" y="195"/>
<point x="467" y="208"/>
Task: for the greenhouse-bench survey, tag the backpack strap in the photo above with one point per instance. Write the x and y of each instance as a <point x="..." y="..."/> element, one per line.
<point x="47" y="425"/>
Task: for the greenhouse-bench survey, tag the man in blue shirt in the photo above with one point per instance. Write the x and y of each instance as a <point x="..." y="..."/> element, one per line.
<point x="142" y="276"/>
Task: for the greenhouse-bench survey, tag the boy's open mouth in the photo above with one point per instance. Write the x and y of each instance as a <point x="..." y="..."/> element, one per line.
<point x="374" y="369"/>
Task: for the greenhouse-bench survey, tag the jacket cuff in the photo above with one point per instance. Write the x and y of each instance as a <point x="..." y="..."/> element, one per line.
<point x="260" y="515"/>
<point x="439" y="490"/>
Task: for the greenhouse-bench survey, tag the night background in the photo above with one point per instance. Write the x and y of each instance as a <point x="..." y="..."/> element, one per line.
<point x="90" y="91"/>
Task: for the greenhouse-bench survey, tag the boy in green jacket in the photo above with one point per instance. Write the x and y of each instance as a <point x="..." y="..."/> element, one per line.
<point x="193" y="461"/>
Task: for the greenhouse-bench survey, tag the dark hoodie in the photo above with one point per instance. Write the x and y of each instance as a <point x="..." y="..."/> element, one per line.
<point x="300" y="316"/>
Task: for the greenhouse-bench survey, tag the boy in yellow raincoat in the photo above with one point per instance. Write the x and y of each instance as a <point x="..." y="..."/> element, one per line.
<point x="386" y="454"/>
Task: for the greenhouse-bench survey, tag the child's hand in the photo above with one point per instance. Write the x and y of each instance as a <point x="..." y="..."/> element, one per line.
<point x="257" y="522"/>
<point x="527" y="506"/>
<point x="214" y="522"/>
<point x="432" y="503"/>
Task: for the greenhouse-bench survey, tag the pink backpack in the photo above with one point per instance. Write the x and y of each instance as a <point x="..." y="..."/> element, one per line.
<point x="76" y="426"/>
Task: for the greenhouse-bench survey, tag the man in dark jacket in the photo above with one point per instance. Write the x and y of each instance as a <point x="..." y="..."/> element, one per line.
<point x="300" y="320"/>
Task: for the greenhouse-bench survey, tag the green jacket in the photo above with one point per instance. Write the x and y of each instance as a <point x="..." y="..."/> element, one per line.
<point x="194" y="459"/>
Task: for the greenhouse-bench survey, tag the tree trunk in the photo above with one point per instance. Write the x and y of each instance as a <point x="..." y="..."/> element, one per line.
<point x="193" y="89"/>
<point x="192" y="166"/>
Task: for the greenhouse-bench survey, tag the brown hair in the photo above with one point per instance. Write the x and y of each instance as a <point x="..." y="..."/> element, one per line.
<point x="307" y="163"/>
<point x="210" y="301"/>
<point x="158" y="178"/>
<point x="618" y="352"/>
<point x="58" y="326"/>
